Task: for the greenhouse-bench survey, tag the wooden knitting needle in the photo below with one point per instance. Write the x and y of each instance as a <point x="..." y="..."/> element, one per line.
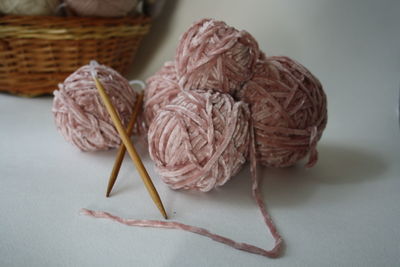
<point x="122" y="148"/>
<point x="129" y="147"/>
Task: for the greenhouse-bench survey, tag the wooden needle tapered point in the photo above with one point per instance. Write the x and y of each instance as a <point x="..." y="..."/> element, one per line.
<point x="130" y="148"/>
<point x="122" y="148"/>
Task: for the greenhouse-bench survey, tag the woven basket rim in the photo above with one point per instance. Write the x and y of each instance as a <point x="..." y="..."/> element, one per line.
<point x="71" y="28"/>
<point x="37" y="20"/>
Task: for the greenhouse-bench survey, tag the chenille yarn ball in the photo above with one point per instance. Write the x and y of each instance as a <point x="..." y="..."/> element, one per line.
<point x="29" y="7"/>
<point x="199" y="140"/>
<point x="79" y="113"/>
<point x="161" y="89"/>
<point x="288" y="109"/>
<point x="212" y="55"/>
<point x="101" y="8"/>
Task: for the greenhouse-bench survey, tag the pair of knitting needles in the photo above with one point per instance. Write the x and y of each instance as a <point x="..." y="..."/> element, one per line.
<point x="127" y="146"/>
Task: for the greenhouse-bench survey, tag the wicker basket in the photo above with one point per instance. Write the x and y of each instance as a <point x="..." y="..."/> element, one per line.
<point x="38" y="52"/>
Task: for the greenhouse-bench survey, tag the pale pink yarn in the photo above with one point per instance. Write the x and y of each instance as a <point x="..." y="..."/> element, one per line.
<point x="289" y="111"/>
<point x="200" y="137"/>
<point x="200" y="140"/>
<point x="213" y="55"/>
<point x="101" y="8"/>
<point x="79" y="113"/>
<point x="257" y="195"/>
<point x="161" y="89"/>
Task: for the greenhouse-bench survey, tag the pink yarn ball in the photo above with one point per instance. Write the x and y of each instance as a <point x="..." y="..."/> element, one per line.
<point x="161" y="89"/>
<point x="79" y="113"/>
<point x="289" y="111"/>
<point x="211" y="55"/>
<point x="101" y="8"/>
<point x="200" y="140"/>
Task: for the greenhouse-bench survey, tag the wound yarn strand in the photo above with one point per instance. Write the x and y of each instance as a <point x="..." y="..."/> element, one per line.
<point x="161" y="89"/>
<point x="200" y="140"/>
<point x="212" y="55"/>
<point x="79" y="113"/>
<point x="289" y="111"/>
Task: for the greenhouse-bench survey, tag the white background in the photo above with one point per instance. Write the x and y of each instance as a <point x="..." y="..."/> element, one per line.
<point x="343" y="212"/>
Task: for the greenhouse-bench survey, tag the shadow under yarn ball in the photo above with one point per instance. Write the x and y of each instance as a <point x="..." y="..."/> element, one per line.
<point x="161" y="89"/>
<point x="212" y="55"/>
<point x="200" y="140"/>
<point x="289" y="111"/>
<point x="79" y="113"/>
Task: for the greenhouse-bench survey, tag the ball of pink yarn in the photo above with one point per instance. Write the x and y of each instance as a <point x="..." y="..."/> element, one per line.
<point x="161" y="89"/>
<point x="79" y="113"/>
<point x="289" y="111"/>
<point x="101" y="8"/>
<point x="200" y="140"/>
<point x="212" y="55"/>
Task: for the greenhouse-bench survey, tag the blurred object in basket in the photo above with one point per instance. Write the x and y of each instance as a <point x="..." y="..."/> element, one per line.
<point x="29" y="7"/>
<point x="101" y="8"/>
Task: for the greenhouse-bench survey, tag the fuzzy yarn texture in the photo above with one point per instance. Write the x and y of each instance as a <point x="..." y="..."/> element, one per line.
<point x="161" y="89"/>
<point x="199" y="140"/>
<point x="200" y="128"/>
<point x="221" y="102"/>
<point x="29" y="7"/>
<point x="79" y="113"/>
<point x="213" y="55"/>
<point x="257" y="195"/>
<point x="101" y="8"/>
<point x="289" y="111"/>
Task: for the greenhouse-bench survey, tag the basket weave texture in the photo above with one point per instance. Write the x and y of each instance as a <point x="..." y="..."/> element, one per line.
<point x="38" y="52"/>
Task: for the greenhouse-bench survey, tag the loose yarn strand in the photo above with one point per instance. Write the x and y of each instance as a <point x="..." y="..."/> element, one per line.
<point x="257" y="195"/>
<point x="273" y="253"/>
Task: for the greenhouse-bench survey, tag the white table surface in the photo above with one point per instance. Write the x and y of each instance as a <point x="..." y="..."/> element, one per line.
<point x="343" y="212"/>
